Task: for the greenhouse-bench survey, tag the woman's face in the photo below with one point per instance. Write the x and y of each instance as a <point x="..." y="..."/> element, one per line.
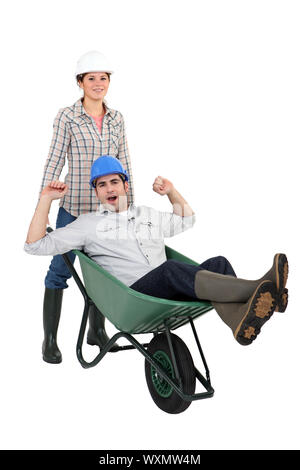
<point x="95" y="85"/>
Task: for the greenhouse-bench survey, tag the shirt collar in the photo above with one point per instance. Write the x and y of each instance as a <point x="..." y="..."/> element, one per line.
<point x="80" y="111"/>
<point x="131" y="210"/>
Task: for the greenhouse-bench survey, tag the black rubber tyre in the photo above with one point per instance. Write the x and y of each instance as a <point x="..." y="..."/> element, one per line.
<point x="162" y="393"/>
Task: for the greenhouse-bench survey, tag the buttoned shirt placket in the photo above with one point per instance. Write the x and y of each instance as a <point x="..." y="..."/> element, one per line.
<point x="131" y="219"/>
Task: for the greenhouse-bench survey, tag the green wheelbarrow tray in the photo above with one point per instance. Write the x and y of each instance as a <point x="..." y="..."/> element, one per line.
<point x="129" y="310"/>
<point x="132" y="312"/>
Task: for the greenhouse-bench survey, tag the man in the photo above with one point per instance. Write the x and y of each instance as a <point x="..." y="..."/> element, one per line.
<point x="128" y="242"/>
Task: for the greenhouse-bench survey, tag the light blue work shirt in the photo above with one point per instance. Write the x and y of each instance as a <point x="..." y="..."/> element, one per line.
<point x="128" y="245"/>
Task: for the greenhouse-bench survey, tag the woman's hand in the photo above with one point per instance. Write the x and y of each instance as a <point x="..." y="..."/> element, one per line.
<point x="162" y="186"/>
<point x="55" y="190"/>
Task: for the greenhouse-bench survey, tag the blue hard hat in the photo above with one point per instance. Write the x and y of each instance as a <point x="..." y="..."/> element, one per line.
<point x="106" y="165"/>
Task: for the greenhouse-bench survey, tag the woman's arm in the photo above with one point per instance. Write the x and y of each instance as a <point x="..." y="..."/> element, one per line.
<point x="124" y="157"/>
<point x="58" y="149"/>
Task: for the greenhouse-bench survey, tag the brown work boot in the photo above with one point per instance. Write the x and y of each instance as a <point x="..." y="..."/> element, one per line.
<point x="279" y="275"/>
<point x="247" y="319"/>
<point x="217" y="287"/>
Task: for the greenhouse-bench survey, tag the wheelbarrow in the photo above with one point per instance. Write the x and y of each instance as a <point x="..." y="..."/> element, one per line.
<point x="169" y="367"/>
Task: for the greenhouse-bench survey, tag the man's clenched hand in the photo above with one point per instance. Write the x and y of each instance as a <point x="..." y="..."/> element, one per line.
<point x="55" y="190"/>
<point x="162" y="186"/>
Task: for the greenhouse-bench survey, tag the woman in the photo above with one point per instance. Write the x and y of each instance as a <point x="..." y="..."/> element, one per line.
<point x="82" y="132"/>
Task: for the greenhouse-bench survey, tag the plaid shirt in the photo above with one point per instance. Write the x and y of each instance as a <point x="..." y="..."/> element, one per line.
<point x="76" y="136"/>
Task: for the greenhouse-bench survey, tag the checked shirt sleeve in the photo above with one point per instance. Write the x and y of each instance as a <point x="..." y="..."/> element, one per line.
<point x="58" y="149"/>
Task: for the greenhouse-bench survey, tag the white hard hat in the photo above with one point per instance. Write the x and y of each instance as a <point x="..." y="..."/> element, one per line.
<point x="93" y="61"/>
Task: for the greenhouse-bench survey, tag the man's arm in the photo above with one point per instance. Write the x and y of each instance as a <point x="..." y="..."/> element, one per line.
<point x="38" y="225"/>
<point x="163" y="186"/>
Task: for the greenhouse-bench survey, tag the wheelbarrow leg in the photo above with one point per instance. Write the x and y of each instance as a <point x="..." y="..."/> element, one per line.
<point x="82" y="328"/>
<point x="201" y="354"/>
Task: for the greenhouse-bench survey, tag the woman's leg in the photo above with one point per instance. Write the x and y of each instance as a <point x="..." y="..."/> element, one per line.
<point x="58" y="272"/>
<point x="55" y="282"/>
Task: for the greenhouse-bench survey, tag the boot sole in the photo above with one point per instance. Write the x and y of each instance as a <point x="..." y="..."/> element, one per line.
<point x="95" y="343"/>
<point x="52" y="361"/>
<point x="283" y="301"/>
<point x="260" y="309"/>
<point x="282" y="272"/>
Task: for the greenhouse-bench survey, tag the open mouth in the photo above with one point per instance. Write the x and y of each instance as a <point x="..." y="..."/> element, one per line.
<point x="112" y="198"/>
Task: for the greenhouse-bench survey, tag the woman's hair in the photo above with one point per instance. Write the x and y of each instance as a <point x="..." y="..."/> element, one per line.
<point x="80" y="77"/>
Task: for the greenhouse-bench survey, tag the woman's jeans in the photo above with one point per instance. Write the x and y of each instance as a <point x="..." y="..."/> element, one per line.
<point x="174" y="280"/>
<point x="58" y="273"/>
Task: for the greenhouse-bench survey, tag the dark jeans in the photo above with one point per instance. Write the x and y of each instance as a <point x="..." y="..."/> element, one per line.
<point x="175" y="280"/>
<point x="58" y="272"/>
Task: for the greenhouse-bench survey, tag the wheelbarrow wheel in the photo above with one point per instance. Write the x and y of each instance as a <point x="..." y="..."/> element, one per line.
<point x="162" y="393"/>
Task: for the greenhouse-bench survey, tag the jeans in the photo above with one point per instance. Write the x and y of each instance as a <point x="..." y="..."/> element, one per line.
<point x="58" y="272"/>
<point x="174" y="280"/>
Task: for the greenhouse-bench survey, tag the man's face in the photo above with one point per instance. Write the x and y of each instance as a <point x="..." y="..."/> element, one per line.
<point x="112" y="192"/>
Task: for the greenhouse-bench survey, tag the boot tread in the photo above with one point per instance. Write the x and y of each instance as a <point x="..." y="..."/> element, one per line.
<point x="260" y="309"/>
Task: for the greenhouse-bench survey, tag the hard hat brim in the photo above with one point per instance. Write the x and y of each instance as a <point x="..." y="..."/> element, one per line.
<point x="92" y="180"/>
<point x="80" y="72"/>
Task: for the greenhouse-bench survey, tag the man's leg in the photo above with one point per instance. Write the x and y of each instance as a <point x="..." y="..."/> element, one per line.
<point x="175" y="280"/>
<point x="213" y="280"/>
<point x="218" y="264"/>
<point x="243" y="305"/>
<point x="246" y="319"/>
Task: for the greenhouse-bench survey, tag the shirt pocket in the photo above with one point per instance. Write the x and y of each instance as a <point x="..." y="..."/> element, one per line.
<point x="111" y="135"/>
<point x="113" y="144"/>
<point x="150" y="230"/>
<point x="112" y="230"/>
<point x="107" y="231"/>
<point x="84" y="141"/>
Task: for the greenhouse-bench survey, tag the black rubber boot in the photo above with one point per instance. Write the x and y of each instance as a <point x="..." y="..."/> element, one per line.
<point x="51" y="316"/>
<point x="97" y="335"/>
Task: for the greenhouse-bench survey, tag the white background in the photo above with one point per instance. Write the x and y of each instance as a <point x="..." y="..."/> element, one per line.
<point x="210" y="94"/>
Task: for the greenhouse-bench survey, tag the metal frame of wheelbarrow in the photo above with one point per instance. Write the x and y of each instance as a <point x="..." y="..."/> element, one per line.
<point x="110" y="346"/>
